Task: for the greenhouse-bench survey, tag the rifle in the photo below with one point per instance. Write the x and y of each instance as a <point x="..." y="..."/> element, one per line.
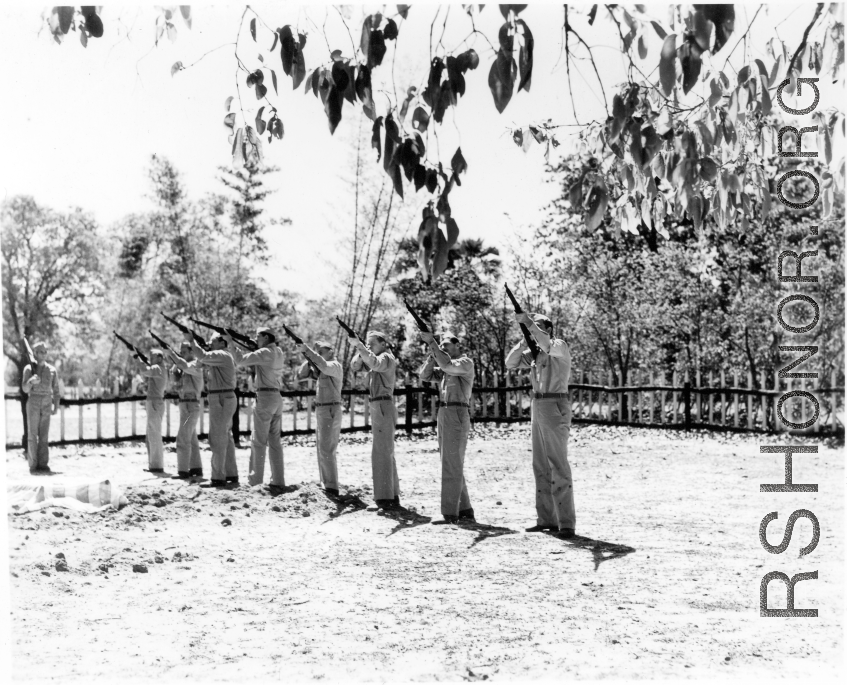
<point x="530" y="341"/>
<point x="299" y="341"/>
<point x="422" y="327"/>
<point x="240" y="338"/>
<point x="291" y="334"/>
<point x="163" y="343"/>
<point x="33" y="362"/>
<point x="132" y="348"/>
<point x="349" y="330"/>
<point x="199" y="339"/>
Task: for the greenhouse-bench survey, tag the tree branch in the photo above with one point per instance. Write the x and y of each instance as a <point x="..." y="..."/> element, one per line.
<point x="802" y="45"/>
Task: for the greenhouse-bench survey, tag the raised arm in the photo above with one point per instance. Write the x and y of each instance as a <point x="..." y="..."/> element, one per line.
<point x="192" y="369"/>
<point x="376" y="363"/>
<point x="427" y="370"/>
<point x="261" y="357"/>
<point x="356" y="364"/>
<point x="304" y="372"/>
<point x="327" y="368"/>
<point x="518" y="358"/>
<point x="452" y="367"/>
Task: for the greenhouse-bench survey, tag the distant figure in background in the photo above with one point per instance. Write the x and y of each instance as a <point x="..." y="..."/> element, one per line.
<point x="136" y="381"/>
<point x="80" y="389"/>
<point x="189" y="382"/>
<point x="98" y="388"/>
<point x="157" y="379"/>
<point x="323" y="366"/>
<point x="382" y="367"/>
<point x="41" y="384"/>
<point x="116" y="386"/>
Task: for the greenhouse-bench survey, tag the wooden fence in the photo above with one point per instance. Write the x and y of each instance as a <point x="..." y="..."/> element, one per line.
<point x="720" y="402"/>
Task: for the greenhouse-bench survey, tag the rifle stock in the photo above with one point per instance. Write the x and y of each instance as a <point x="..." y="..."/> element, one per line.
<point x="530" y="341"/>
<point x="291" y="334"/>
<point x="133" y="348"/>
<point x="163" y="343"/>
<point x="243" y="340"/>
<point x="422" y="327"/>
<point x="349" y="330"/>
<point x="33" y="362"/>
<point x="199" y="339"/>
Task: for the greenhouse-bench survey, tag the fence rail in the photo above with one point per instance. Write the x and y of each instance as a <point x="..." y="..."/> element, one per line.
<point x="644" y="401"/>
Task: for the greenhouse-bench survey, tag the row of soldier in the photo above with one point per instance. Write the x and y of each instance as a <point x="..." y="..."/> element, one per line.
<point x="545" y="357"/>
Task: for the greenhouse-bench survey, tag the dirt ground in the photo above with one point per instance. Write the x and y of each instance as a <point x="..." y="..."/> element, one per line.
<point x="663" y="580"/>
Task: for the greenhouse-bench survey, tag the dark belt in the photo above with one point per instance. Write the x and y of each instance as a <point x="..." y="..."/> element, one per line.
<point x="326" y="404"/>
<point x="550" y="395"/>
<point x="218" y="392"/>
<point x="453" y="404"/>
<point x="187" y="399"/>
<point x="267" y="389"/>
<point x="380" y="397"/>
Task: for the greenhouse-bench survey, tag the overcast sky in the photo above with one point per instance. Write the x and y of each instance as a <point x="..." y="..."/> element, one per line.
<point x="81" y="123"/>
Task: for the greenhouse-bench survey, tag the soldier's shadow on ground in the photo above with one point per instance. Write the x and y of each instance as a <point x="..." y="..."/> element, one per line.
<point x="485" y="531"/>
<point x="600" y="550"/>
<point x="345" y="504"/>
<point x="406" y="519"/>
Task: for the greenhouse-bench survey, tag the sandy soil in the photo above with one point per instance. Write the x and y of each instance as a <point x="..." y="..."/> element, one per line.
<point x="662" y="582"/>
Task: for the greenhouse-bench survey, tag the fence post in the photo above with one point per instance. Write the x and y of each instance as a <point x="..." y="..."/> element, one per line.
<point x="98" y="420"/>
<point x="410" y="409"/>
<point x="61" y="423"/>
<point x="686" y="398"/>
<point x="833" y="379"/>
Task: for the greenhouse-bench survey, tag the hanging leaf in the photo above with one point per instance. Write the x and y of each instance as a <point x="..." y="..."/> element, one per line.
<point x="260" y="123"/>
<point x="689" y="57"/>
<point x="431" y="180"/>
<point x="403" y="10"/>
<point x="575" y="195"/>
<point x="659" y="30"/>
<point x="410" y="95"/>
<point x="458" y="164"/>
<point x="185" y="11"/>
<point x="708" y="170"/>
<point x="595" y="209"/>
<point x="432" y="93"/>
<point x="375" y="138"/>
<point x="176" y="67"/>
<point x="642" y="47"/>
<point x="229" y="120"/>
<point x="83" y="37"/>
<point x="723" y="17"/>
<point x="702" y="30"/>
<point x="376" y="49"/>
<point x="228" y="103"/>
<point x="93" y="23"/>
<point x="66" y="16"/>
<point x="504" y="9"/>
<point x="444" y="101"/>
<point x="390" y="31"/>
<point x="440" y="253"/>
<point x="288" y="48"/>
<point x="525" y="57"/>
<point x="275" y="128"/>
<point x="452" y="232"/>
<point x="238" y="149"/>
<point x="171" y="32"/>
<point x="420" y="119"/>
<point x="298" y="69"/>
<point x="332" y="107"/>
<point x="391" y="139"/>
<point x="364" y="91"/>
<point x="397" y="178"/>
<point x="592" y="14"/>
<point x="253" y="28"/>
<point x="667" y="64"/>
<point x="501" y="80"/>
<point x="420" y="176"/>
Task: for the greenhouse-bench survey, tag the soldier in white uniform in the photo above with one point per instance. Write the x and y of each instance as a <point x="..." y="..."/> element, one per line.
<point x="382" y="367"/>
<point x="189" y="381"/>
<point x="322" y="365"/>
<point x="551" y="421"/>
<point x="269" y="362"/>
<point x="455" y="373"/>
<point x="157" y="378"/>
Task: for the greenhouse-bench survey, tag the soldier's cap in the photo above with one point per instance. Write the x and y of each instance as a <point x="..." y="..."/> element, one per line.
<point x="264" y="330"/>
<point x="39" y="345"/>
<point x="449" y="337"/>
<point x="323" y="343"/>
<point x="157" y="351"/>
<point x="217" y="336"/>
<point x="542" y="319"/>
<point x="185" y="345"/>
<point x="379" y="335"/>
